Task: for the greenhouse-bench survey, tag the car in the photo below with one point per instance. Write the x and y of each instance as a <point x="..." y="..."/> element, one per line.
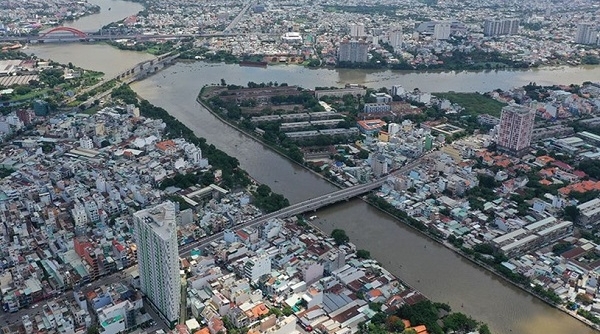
<point x="307" y="328"/>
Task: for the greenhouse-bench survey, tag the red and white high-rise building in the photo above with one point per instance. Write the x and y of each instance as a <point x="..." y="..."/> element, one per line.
<point x="516" y="128"/>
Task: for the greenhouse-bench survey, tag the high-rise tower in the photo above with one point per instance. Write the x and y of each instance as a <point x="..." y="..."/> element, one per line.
<point x="516" y="128"/>
<point x="158" y="258"/>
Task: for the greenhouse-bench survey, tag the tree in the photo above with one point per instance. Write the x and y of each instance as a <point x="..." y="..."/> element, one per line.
<point x="363" y="254"/>
<point x="394" y="324"/>
<point x="487" y="181"/>
<point x="287" y="311"/>
<point x="263" y="190"/>
<point x="484" y="329"/>
<point x="484" y="248"/>
<point x="340" y="237"/>
<point x="571" y="212"/>
<point x="375" y="307"/>
<point x="363" y="154"/>
<point x="584" y="299"/>
<point x="93" y="330"/>
<point x="207" y="178"/>
<point x="590" y="167"/>
<point x="459" y="322"/>
<point x="275" y="311"/>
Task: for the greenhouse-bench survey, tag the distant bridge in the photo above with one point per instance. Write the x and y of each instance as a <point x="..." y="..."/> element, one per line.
<point x="76" y="35"/>
<point x="73" y="31"/>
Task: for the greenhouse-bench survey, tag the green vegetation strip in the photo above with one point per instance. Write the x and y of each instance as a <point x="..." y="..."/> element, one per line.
<point x="474" y="103"/>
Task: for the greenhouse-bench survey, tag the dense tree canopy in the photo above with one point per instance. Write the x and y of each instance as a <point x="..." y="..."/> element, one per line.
<point x="339" y="236"/>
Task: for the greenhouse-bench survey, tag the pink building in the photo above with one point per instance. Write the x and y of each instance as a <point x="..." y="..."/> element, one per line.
<point x="516" y="128"/>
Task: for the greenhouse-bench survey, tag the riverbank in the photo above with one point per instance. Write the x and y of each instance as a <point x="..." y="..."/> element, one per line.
<point x="423" y="232"/>
<point x="237" y="61"/>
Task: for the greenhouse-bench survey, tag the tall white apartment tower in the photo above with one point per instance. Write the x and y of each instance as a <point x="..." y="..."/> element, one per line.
<point x="395" y="38"/>
<point x="158" y="258"/>
<point x="587" y="33"/>
<point x="516" y="128"/>
<point x="357" y="30"/>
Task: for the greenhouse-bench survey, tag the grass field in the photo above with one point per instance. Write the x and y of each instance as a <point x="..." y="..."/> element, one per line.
<point x="474" y="103"/>
<point x="36" y="93"/>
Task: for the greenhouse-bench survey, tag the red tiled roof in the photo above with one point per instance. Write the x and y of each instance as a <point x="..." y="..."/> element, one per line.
<point x="562" y="165"/>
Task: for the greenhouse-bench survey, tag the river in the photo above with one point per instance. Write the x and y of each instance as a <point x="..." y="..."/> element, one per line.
<point x="110" y="11"/>
<point x="436" y="271"/>
<point x="98" y="57"/>
<point x="483" y="81"/>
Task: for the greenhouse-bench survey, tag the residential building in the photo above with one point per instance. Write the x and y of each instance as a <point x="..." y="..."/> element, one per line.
<point x="370" y="127"/>
<point x="376" y="108"/>
<point x="86" y="143"/>
<point x="587" y="33"/>
<point x="257" y="266"/>
<point x="516" y="128"/>
<point x="381" y="97"/>
<point x="340" y="92"/>
<point x="442" y="30"/>
<point x="158" y="258"/>
<point x="353" y="51"/>
<point x="499" y="27"/>
<point x="589" y="212"/>
<point x="395" y="38"/>
<point x="357" y="30"/>
<point x="379" y="165"/>
<point x="532" y="236"/>
<point x="445" y="28"/>
<point x="398" y="90"/>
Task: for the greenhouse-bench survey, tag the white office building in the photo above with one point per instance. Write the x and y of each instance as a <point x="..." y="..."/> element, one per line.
<point x="158" y="258"/>
<point x="257" y="266"/>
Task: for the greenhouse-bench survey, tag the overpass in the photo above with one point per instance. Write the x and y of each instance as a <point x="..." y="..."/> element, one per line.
<point x="146" y="67"/>
<point x="136" y="72"/>
<point x="309" y="205"/>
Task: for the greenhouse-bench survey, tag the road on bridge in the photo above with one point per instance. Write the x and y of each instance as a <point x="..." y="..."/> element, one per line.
<point x="309" y="205"/>
<point x="146" y="67"/>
